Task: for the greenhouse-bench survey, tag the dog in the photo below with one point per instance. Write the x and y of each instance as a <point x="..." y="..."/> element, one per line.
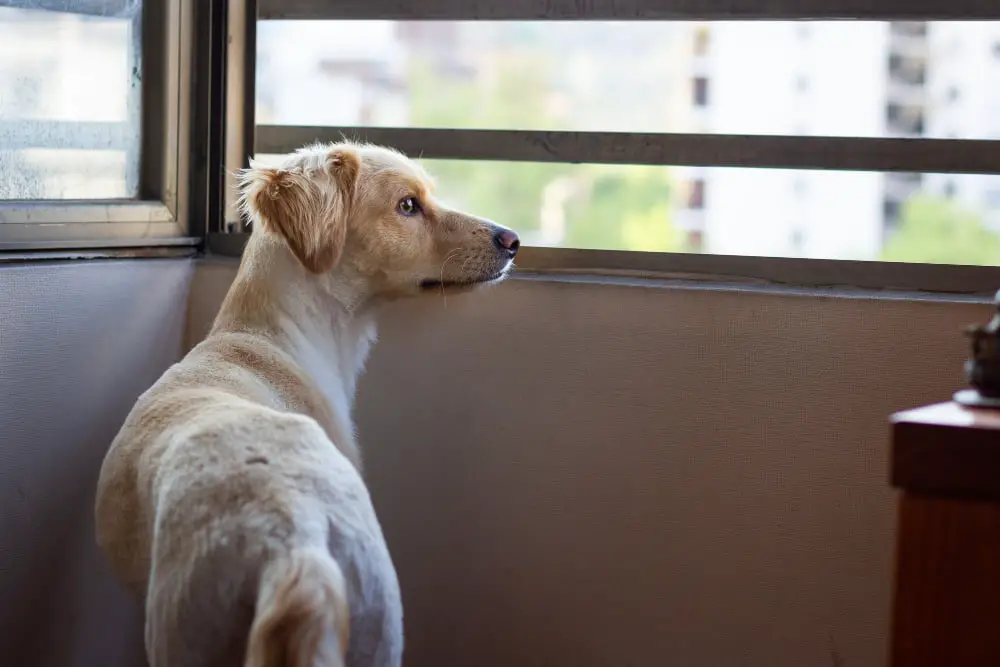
<point x="232" y="501"/>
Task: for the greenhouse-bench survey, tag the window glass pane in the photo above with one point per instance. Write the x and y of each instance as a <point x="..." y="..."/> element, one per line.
<point x="70" y="88"/>
<point x="905" y="217"/>
<point x="938" y="218"/>
<point x="839" y="78"/>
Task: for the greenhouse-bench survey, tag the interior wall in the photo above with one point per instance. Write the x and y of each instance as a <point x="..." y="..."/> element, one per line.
<point x="78" y="343"/>
<point x="585" y="474"/>
<point x="567" y="473"/>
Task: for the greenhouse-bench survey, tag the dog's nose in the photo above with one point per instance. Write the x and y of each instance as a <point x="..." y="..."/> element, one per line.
<point x="507" y="240"/>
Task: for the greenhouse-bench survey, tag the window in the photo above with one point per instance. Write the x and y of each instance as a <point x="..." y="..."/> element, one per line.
<point x="71" y="117"/>
<point x="696" y="198"/>
<point x="584" y="133"/>
<point x="700" y="91"/>
<point x="905" y="120"/>
<point x="600" y="76"/>
<point x="798" y="239"/>
<point x="914" y="29"/>
<point x="890" y="211"/>
<point x="89" y="122"/>
<point x="695" y="241"/>
<point x="570" y="67"/>
<point x="701" y="40"/>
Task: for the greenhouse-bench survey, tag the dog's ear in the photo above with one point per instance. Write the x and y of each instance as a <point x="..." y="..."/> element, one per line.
<point x="307" y="208"/>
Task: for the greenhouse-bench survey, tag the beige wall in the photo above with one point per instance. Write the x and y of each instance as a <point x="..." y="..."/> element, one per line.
<point x="567" y="473"/>
<point x="635" y="474"/>
<point x="78" y="343"/>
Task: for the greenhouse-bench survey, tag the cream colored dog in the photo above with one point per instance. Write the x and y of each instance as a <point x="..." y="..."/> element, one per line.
<point x="232" y="499"/>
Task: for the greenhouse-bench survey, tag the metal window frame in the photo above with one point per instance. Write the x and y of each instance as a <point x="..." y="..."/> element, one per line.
<point x="223" y="117"/>
<point x="964" y="156"/>
<point x="160" y="215"/>
<point x="626" y="10"/>
<point x="240" y="109"/>
<point x="798" y="152"/>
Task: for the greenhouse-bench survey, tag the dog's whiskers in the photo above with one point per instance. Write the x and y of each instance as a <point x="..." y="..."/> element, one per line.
<point x="451" y="255"/>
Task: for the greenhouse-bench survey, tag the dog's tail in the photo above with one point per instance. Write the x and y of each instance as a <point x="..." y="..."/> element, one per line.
<point x="302" y="617"/>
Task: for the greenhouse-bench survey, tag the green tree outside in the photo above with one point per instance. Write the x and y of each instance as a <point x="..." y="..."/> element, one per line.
<point x="938" y="231"/>
<point x="603" y="207"/>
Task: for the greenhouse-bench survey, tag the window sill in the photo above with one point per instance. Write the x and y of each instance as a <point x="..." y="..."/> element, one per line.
<point x="48" y="251"/>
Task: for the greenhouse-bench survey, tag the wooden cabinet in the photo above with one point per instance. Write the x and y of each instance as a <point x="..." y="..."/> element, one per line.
<point x="946" y="607"/>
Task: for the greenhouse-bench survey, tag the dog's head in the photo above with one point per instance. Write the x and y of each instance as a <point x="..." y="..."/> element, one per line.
<point x="371" y="212"/>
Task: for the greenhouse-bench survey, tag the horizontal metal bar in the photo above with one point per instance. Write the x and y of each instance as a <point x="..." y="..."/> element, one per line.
<point x="627" y="10"/>
<point x="69" y="212"/>
<point x="792" y="272"/>
<point x="708" y="150"/>
<point x="59" y="134"/>
<point x="812" y="273"/>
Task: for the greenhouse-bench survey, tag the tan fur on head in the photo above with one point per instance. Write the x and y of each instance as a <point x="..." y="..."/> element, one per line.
<point x="307" y="206"/>
<point x="341" y="207"/>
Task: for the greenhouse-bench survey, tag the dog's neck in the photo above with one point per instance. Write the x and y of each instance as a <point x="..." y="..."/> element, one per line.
<point x="325" y="323"/>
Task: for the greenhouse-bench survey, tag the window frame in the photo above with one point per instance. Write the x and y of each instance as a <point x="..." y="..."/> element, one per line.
<point x="625" y="10"/>
<point x="702" y="150"/>
<point x="160" y="214"/>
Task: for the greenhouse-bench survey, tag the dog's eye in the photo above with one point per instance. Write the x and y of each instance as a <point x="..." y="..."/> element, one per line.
<point x="408" y="206"/>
